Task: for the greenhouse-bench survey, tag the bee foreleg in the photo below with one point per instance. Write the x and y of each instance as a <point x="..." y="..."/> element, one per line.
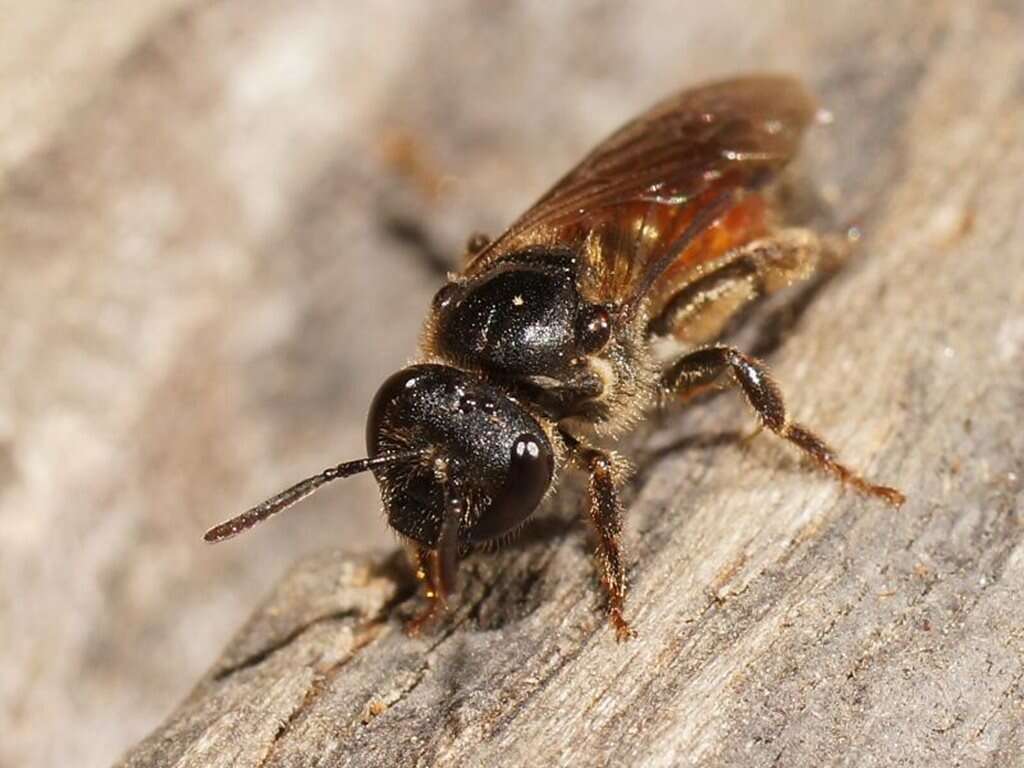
<point x="425" y="561"/>
<point x="438" y="567"/>
<point x="724" y="365"/>
<point x="605" y="512"/>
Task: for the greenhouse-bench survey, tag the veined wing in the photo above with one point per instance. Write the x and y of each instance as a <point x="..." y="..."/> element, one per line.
<point x="669" y="190"/>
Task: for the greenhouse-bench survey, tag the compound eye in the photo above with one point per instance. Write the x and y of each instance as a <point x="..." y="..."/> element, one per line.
<point x="530" y="469"/>
<point x="595" y="329"/>
<point x="444" y="297"/>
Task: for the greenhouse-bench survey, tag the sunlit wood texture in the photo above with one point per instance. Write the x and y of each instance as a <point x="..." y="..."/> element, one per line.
<point x="210" y="226"/>
<point x="781" y="621"/>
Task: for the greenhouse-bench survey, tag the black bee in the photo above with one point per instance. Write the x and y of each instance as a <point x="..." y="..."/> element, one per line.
<point x="553" y="336"/>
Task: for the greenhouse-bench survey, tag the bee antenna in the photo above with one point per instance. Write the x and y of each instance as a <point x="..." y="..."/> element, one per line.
<point x="298" y="492"/>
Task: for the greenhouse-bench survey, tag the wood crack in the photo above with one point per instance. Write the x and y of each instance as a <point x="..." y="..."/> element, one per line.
<point x="260" y="656"/>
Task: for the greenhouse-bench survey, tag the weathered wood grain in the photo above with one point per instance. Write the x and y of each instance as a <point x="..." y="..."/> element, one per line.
<point x="782" y="622"/>
<point x="196" y="238"/>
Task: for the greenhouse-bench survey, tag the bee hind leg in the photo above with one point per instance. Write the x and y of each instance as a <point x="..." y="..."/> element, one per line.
<point x="721" y="365"/>
<point x="701" y="309"/>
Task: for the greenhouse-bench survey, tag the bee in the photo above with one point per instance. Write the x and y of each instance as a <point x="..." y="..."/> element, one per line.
<point x="552" y="338"/>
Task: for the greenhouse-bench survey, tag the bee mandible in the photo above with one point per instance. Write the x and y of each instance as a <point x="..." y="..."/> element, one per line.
<point x="553" y="336"/>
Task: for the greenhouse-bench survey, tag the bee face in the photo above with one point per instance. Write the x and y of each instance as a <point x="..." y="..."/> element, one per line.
<point x="465" y="434"/>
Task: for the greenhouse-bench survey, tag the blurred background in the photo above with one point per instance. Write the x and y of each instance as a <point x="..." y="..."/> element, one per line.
<point x="220" y="225"/>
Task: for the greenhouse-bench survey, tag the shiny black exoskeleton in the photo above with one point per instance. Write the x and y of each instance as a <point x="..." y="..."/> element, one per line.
<point x="472" y="436"/>
<point x="525" y="318"/>
<point x="511" y="340"/>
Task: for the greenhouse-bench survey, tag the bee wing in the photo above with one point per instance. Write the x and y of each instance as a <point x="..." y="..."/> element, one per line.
<point x="652" y="188"/>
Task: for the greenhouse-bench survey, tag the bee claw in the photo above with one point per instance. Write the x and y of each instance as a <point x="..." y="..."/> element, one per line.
<point x="623" y="631"/>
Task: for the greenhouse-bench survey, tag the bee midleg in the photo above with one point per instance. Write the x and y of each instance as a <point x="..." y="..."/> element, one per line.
<point x="700" y="310"/>
<point x="724" y="365"/>
<point x="475" y="243"/>
<point x="606" y="472"/>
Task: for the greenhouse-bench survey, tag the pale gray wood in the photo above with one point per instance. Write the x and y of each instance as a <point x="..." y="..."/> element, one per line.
<point x="781" y="621"/>
<point x="201" y="211"/>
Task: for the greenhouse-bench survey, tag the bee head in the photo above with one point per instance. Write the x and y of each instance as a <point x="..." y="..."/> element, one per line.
<point x="467" y="437"/>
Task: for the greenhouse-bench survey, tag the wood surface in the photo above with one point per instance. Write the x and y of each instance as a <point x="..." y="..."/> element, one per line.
<point x="219" y="244"/>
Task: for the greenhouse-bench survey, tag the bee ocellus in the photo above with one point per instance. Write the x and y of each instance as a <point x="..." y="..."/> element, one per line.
<point x="551" y="340"/>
